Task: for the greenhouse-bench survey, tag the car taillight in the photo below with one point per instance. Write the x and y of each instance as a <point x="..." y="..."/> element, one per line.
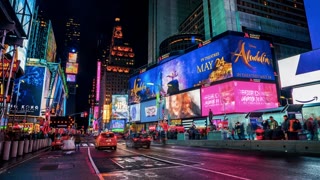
<point x="149" y="139"/>
<point x="135" y="139"/>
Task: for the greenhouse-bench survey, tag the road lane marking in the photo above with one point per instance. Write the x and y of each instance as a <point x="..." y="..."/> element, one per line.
<point x="193" y="167"/>
<point x="116" y="163"/>
<point x="94" y="165"/>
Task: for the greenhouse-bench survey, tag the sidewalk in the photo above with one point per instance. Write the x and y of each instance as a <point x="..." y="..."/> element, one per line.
<point x="289" y="146"/>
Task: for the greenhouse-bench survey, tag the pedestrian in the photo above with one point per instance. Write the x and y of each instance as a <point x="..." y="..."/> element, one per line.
<point x="285" y="126"/>
<point x="250" y="132"/>
<point x="77" y="141"/>
<point x="273" y="127"/>
<point x="294" y="127"/>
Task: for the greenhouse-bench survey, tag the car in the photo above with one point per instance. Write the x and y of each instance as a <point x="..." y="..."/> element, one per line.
<point x="138" y="140"/>
<point x="106" y="140"/>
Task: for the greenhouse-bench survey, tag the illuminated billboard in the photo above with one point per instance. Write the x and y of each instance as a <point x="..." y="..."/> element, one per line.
<point x="238" y="97"/>
<point x="120" y="106"/>
<point x="306" y="95"/>
<point x="300" y="69"/>
<point x="72" y="68"/>
<point x="227" y="57"/>
<point x="117" y="125"/>
<point x="98" y="81"/>
<point x="72" y="57"/>
<point x="30" y="91"/>
<point x="183" y="105"/>
<point x="71" y="78"/>
<point x="150" y="112"/>
<point x="51" y="49"/>
<point x="134" y="112"/>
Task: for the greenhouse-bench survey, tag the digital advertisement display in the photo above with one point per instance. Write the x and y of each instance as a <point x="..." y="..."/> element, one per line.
<point x="72" y="57"/>
<point x="300" y="69"/>
<point x="51" y="50"/>
<point x="238" y="97"/>
<point x="117" y="125"/>
<point x="150" y="112"/>
<point x="120" y="106"/>
<point x="134" y="112"/>
<point x="312" y="12"/>
<point x="183" y="105"/>
<point x="227" y="57"/>
<point x="71" y="78"/>
<point x="306" y="95"/>
<point x="72" y="68"/>
<point x="200" y="123"/>
<point x="29" y="92"/>
<point x="98" y="81"/>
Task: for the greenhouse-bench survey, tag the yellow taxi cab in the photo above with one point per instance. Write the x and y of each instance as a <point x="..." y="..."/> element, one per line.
<point x="106" y="140"/>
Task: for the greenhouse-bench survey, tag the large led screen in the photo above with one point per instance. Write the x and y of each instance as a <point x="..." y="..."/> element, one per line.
<point x="120" y="106"/>
<point x="117" y="125"/>
<point x="312" y="12"/>
<point x="306" y="95"/>
<point x="238" y="97"/>
<point x="71" y="78"/>
<point x="301" y="69"/>
<point x="29" y="92"/>
<point x="72" y="68"/>
<point x="134" y="112"/>
<point x="72" y="57"/>
<point x="227" y="57"/>
<point x="150" y="111"/>
<point x="183" y="105"/>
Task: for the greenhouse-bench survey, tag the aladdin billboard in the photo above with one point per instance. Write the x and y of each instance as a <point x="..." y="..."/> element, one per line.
<point x="238" y="97"/>
<point x="30" y="91"/>
<point x="183" y="105"/>
<point x="120" y="106"/>
<point x="150" y="111"/>
<point x="134" y="112"/>
<point x="300" y="69"/>
<point x="228" y="57"/>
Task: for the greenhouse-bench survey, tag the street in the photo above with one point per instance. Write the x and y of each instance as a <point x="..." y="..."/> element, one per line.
<point x="165" y="162"/>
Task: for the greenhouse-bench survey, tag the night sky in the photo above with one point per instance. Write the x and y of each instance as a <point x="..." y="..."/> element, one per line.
<point x="96" y="17"/>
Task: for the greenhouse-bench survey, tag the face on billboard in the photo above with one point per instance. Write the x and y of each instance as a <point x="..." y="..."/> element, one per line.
<point x="184" y="105"/>
<point x="135" y="112"/>
<point x="120" y="106"/>
<point x="238" y="97"/>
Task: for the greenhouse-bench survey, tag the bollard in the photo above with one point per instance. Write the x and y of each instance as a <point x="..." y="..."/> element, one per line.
<point x="34" y="145"/>
<point x="38" y="142"/>
<point x="6" y="150"/>
<point x="20" y="148"/>
<point x="14" y="148"/>
<point x="31" y="146"/>
<point x="26" y="146"/>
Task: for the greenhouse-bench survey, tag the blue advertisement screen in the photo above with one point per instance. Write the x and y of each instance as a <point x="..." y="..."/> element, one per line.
<point x="30" y="91"/>
<point x="117" y="125"/>
<point x="134" y="112"/>
<point x="150" y="112"/>
<point x="227" y="57"/>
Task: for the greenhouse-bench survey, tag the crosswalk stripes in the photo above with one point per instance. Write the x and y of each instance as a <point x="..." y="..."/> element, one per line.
<point x="86" y="144"/>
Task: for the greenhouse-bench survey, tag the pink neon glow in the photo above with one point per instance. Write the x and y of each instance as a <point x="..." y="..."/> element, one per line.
<point x="98" y="81"/>
<point x="96" y="112"/>
<point x="238" y="97"/>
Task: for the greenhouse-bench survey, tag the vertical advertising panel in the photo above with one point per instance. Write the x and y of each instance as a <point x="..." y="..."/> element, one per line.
<point x="72" y="68"/>
<point x="45" y="95"/>
<point x="238" y="97"/>
<point x="51" y="50"/>
<point x="98" y="81"/>
<point x="72" y="57"/>
<point x="120" y="107"/>
<point x="183" y="105"/>
<point x="134" y="112"/>
<point x="29" y="94"/>
<point x="150" y="112"/>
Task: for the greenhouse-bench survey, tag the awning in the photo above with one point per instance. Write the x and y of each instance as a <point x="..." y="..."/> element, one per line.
<point x="293" y="108"/>
<point x="259" y="113"/>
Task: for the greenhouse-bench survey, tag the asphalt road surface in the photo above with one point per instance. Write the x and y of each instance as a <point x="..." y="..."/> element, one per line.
<point x="165" y="163"/>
